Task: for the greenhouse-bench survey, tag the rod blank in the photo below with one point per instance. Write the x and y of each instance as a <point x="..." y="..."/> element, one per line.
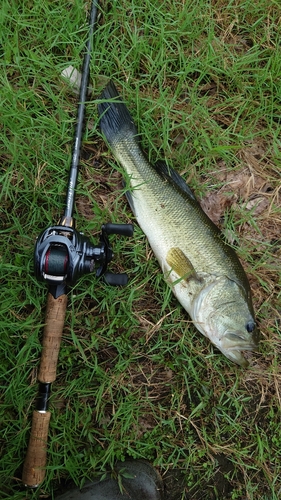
<point x="73" y="172"/>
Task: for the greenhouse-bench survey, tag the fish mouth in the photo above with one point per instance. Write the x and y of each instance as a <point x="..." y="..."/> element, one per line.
<point x="236" y="341"/>
<point x="236" y="357"/>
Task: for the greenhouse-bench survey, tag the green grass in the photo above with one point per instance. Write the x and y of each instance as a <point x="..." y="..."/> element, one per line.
<point x="202" y="80"/>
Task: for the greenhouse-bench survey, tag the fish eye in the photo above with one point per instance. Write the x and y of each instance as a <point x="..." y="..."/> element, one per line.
<point x="250" y="326"/>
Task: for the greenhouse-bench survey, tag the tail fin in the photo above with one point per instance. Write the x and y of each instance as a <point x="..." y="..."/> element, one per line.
<point x="115" y="119"/>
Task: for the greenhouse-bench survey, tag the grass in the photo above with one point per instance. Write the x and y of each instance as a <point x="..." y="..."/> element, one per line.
<point x="202" y="80"/>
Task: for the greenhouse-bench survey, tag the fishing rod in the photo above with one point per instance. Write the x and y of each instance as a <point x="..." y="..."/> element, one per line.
<point x="61" y="256"/>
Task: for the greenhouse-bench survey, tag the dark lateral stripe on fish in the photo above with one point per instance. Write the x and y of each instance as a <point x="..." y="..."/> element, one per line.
<point x="115" y="119"/>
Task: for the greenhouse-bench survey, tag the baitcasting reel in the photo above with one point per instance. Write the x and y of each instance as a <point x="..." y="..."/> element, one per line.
<point x="62" y="255"/>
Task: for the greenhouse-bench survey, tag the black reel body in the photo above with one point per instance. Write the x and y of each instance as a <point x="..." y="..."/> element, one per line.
<point x="62" y="255"/>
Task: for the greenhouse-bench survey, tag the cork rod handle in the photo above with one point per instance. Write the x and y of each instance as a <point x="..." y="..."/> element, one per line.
<point x="55" y="316"/>
<point x="36" y="456"/>
<point x="34" y="467"/>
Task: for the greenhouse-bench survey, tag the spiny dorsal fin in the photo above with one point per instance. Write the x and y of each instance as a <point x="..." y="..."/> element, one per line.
<point x="171" y="175"/>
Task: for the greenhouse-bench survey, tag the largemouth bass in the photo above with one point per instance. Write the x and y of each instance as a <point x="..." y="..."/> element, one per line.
<point x="204" y="271"/>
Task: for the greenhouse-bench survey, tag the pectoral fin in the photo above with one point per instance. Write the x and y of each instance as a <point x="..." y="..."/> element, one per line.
<point x="180" y="263"/>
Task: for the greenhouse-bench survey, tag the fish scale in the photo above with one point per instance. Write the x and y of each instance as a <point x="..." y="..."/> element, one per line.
<point x="203" y="270"/>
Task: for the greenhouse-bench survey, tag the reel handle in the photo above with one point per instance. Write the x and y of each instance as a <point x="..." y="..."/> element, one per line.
<point x="120" y="279"/>
<point x="122" y="229"/>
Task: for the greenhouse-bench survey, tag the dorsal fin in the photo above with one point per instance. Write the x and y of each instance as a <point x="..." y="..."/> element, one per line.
<point x="170" y="174"/>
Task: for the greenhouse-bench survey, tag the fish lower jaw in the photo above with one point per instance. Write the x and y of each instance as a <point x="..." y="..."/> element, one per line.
<point x="234" y="351"/>
<point x="236" y="356"/>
